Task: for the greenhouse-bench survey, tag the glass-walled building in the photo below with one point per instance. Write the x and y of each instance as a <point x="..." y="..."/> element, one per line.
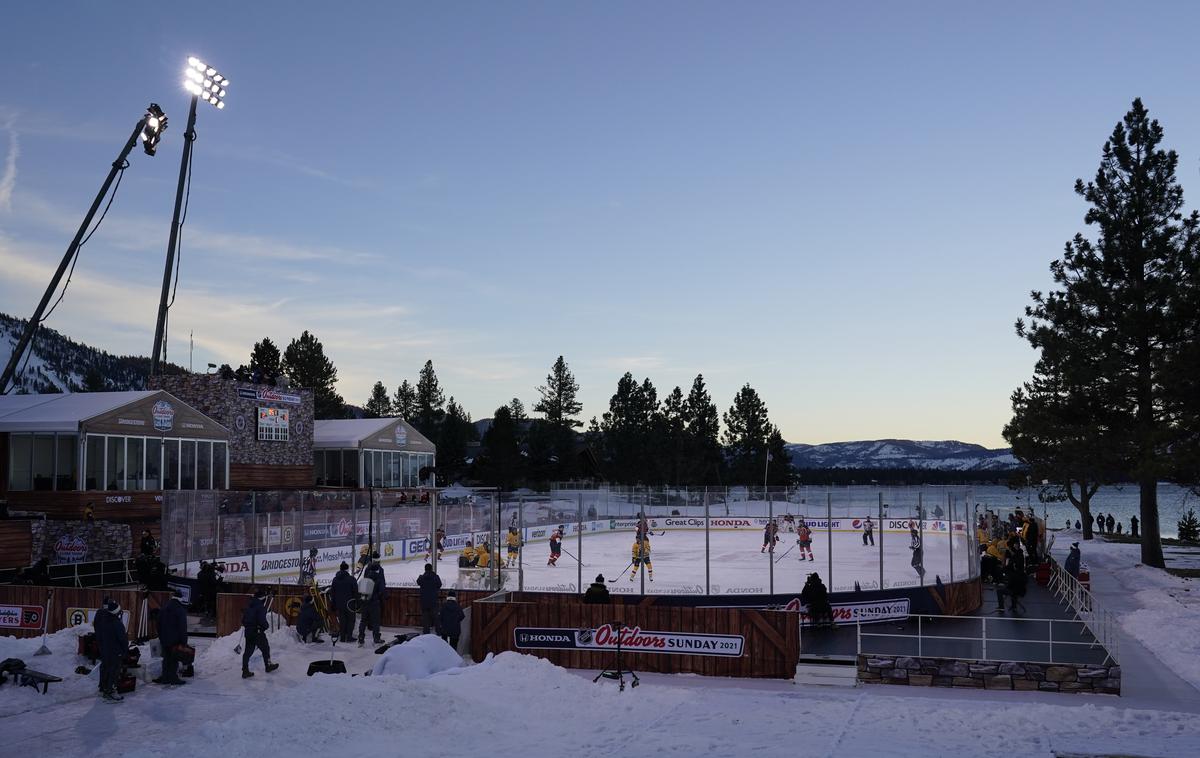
<point x="110" y="442"/>
<point x="371" y="452"/>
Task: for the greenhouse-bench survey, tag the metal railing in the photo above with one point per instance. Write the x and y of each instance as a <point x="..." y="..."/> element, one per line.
<point x="1101" y="623"/>
<point x="991" y="644"/>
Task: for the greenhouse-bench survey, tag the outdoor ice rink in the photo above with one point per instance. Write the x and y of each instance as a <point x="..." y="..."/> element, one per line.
<point x="736" y="564"/>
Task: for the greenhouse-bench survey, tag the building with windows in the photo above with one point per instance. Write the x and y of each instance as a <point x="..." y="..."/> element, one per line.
<point x="371" y="452"/>
<point x="270" y="428"/>
<point x="116" y="451"/>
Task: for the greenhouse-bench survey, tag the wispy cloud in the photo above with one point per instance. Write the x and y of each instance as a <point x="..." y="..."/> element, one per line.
<point x="8" y="178"/>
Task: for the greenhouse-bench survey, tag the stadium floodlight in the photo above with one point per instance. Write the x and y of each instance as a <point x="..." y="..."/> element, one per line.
<point x="205" y="82"/>
<point x="155" y="124"/>
<point x="202" y="82"/>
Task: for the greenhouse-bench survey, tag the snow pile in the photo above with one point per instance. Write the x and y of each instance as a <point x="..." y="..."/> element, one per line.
<point x="62" y="662"/>
<point x="418" y="658"/>
<point x="1160" y="610"/>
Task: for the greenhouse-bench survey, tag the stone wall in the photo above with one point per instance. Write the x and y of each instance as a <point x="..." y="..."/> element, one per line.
<point x="950" y="672"/>
<point x="80" y="542"/>
<point x="226" y="403"/>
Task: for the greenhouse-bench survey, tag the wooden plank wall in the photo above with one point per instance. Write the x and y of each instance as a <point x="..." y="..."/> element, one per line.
<point x="248" y="476"/>
<point x="401" y="605"/>
<point x="68" y="597"/>
<point x="16" y="544"/>
<point x="772" y="638"/>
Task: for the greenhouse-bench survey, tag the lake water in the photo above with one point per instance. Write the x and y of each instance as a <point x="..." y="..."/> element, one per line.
<point x="1119" y="500"/>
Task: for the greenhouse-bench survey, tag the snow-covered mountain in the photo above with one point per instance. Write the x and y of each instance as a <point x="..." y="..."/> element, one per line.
<point x="942" y="455"/>
<point x="60" y="364"/>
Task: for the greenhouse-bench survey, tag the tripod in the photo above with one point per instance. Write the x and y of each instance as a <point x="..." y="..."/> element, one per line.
<point x="618" y="670"/>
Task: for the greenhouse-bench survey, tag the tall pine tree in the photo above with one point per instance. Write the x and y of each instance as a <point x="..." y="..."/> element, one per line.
<point x="378" y="405"/>
<point x="455" y="434"/>
<point x="558" y="403"/>
<point x="404" y="402"/>
<point x="305" y="365"/>
<point x="747" y="429"/>
<point x="430" y="399"/>
<point x="265" y="361"/>
<point x="703" y="448"/>
<point x="499" y="462"/>
<point x="1118" y="295"/>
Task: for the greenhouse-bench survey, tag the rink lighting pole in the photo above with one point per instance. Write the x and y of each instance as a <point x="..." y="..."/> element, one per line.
<point x="204" y="83"/>
<point x="150" y="129"/>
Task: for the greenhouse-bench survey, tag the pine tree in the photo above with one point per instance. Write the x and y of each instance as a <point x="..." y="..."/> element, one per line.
<point x="674" y="440"/>
<point x="404" y="402"/>
<point x="780" y="472"/>
<point x="455" y="434"/>
<point x="378" y="405"/>
<point x="517" y="409"/>
<point x="305" y="365"/>
<point x="1062" y="429"/>
<point x="747" y="429"/>
<point x="265" y="361"/>
<point x="1122" y="294"/>
<point x="430" y="399"/>
<point x="499" y="459"/>
<point x="703" y="450"/>
<point x="1189" y="527"/>
<point x="559" y="404"/>
<point x="558" y="401"/>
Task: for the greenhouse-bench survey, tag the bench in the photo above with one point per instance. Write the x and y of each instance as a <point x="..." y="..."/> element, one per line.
<point x="31" y="678"/>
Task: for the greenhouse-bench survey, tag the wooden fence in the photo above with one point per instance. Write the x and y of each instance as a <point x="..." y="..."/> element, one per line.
<point x="771" y="639"/>
<point x="16" y="544"/>
<point x="69" y="597"/>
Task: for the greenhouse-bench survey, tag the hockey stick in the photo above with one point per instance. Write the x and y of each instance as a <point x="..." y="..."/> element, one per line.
<point x="610" y="581"/>
<point x="785" y="552"/>
<point x="581" y="563"/>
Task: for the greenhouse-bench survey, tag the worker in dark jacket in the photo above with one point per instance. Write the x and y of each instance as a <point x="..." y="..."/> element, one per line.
<point x="450" y="617"/>
<point x="206" y="588"/>
<point x="254" y="625"/>
<point x="372" y="604"/>
<point x="1071" y="566"/>
<point x="343" y="590"/>
<point x="597" y="592"/>
<point x="309" y="622"/>
<point x="172" y="631"/>
<point x="114" y="644"/>
<point x="430" y="584"/>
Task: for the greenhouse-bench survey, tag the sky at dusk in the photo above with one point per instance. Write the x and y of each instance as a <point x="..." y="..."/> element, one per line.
<point x="845" y="207"/>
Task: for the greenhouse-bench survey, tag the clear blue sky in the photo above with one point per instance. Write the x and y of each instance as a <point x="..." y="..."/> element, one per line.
<point x="845" y="207"/>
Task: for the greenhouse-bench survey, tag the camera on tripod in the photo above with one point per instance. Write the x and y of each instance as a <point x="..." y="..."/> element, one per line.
<point x="618" y="671"/>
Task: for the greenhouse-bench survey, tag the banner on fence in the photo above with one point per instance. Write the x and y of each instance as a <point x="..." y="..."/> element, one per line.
<point x="87" y="617"/>
<point x="632" y="639"/>
<point x="20" y="617"/>
<point x="849" y="613"/>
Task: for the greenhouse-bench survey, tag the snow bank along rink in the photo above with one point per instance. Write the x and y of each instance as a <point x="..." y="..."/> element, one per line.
<point x="517" y="705"/>
<point x="735" y="564"/>
<point x="1158" y="610"/>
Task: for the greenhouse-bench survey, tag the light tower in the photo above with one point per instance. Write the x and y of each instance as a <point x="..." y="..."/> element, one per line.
<point x="204" y="83"/>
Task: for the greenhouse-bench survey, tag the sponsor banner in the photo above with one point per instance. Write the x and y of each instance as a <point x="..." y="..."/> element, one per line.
<point x="87" y="616"/>
<point x="70" y="548"/>
<point x="632" y="639"/>
<point x="268" y="395"/>
<point x="20" y="617"/>
<point x="850" y="613"/>
<point x="559" y="587"/>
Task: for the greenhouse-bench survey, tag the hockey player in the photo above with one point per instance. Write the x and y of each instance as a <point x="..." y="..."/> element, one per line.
<point x="789" y="523"/>
<point x="513" y="542"/>
<point x="804" y="540"/>
<point x="868" y="531"/>
<point x="555" y="546"/>
<point x="308" y="568"/>
<point x="641" y="557"/>
<point x="770" y="537"/>
<point x="469" y="557"/>
<point x="438" y="536"/>
<point x="483" y="555"/>
<point x="918" y="551"/>
<point x="643" y="526"/>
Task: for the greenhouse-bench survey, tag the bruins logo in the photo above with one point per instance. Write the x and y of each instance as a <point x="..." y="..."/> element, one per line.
<point x="292" y="608"/>
<point x="388" y="550"/>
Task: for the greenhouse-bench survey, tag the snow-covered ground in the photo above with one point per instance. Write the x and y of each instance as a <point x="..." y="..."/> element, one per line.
<point x="520" y="705"/>
<point x="1159" y="610"/>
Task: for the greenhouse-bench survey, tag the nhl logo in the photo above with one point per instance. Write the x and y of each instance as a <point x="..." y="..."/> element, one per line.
<point x="584" y="636"/>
